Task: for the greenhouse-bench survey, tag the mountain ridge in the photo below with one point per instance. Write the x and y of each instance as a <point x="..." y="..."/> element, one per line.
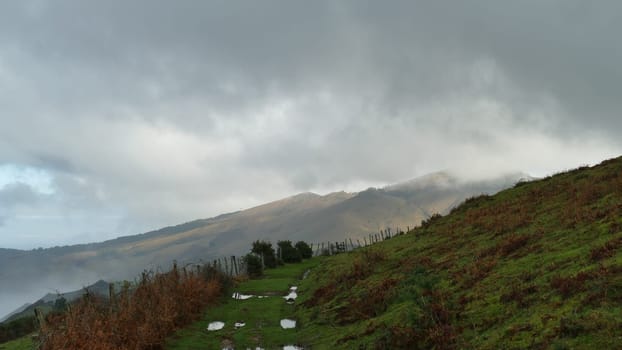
<point x="306" y="216"/>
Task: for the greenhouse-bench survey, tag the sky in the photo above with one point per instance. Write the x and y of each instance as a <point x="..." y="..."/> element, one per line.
<point x="119" y="117"/>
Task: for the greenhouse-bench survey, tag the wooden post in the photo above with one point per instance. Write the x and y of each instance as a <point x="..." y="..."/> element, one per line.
<point x="234" y="264"/>
<point x="365" y="240"/>
<point x="351" y="244"/>
<point x="359" y="242"/>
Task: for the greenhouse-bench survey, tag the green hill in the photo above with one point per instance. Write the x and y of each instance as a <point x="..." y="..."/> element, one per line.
<point x="535" y="266"/>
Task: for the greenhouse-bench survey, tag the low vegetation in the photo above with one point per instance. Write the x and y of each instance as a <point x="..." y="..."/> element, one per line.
<point x="135" y="318"/>
<point x="536" y="266"/>
<point x="261" y="316"/>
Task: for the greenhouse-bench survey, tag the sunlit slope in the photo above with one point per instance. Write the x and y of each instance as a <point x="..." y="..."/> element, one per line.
<point x="535" y="266"/>
<point x="307" y="216"/>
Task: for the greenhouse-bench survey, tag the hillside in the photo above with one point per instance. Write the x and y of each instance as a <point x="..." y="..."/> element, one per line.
<point x="47" y="302"/>
<point x="536" y="266"/>
<point x="26" y="275"/>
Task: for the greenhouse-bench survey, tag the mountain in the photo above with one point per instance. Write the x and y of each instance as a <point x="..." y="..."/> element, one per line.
<point x="48" y="301"/>
<point x="307" y="216"/>
<point x="536" y="266"/>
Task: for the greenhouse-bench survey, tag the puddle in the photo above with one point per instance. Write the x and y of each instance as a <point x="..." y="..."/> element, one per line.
<point x="238" y="325"/>
<point x="262" y="296"/>
<point x="293" y="288"/>
<point x="292" y="347"/>
<point x="215" y="326"/>
<point x="239" y="296"/>
<point x="286" y="323"/>
<point x="291" y="296"/>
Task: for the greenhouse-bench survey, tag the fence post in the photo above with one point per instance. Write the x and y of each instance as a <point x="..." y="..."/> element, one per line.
<point x="234" y="264"/>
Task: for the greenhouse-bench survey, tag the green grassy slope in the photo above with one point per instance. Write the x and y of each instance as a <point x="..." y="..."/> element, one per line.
<point x="262" y="316"/>
<point x="24" y="343"/>
<point x="535" y="266"/>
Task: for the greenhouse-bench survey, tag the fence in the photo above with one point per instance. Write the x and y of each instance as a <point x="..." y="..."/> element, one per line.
<point x="332" y="248"/>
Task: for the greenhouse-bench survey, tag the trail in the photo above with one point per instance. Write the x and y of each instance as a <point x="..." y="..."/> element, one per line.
<point x="259" y="314"/>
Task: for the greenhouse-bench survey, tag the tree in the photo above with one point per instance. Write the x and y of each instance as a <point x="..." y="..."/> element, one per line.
<point x="304" y="249"/>
<point x="288" y="253"/>
<point x="264" y="249"/>
<point x="254" y="267"/>
<point x="60" y="304"/>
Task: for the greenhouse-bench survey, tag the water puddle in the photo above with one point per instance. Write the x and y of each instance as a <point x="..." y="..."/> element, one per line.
<point x="239" y="325"/>
<point x="292" y="347"/>
<point x="215" y="326"/>
<point x="286" y="323"/>
<point x="239" y="296"/>
<point x="293" y="288"/>
<point x="291" y="296"/>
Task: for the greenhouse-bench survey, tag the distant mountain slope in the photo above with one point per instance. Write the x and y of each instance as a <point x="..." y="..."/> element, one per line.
<point x="537" y="266"/>
<point x="305" y="216"/>
<point x="47" y="302"/>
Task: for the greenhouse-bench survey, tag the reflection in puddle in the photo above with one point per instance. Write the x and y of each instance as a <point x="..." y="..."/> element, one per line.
<point x="292" y="295"/>
<point x="286" y="323"/>
<point x="215" y="326"/>
<point x="239" y="296"/>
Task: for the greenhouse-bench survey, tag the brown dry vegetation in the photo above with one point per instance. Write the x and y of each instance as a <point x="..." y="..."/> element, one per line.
<point x="536" y="266"/>
<point x="135" y="318"/>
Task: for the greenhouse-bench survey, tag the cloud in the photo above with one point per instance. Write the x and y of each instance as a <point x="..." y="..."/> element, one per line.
<point x="151" y="113"/>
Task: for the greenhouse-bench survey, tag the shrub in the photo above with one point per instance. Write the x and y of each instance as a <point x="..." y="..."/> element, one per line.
<point x="427" y="222"/>
<point x="305" y="250"/>
<point x="264" y="248"/>
<point x="254" y="267"/>
<point x="288" y="253"/>
<point x="136" y="318"/>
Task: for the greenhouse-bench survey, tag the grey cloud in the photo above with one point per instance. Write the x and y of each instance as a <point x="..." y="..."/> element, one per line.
<point x="161" y="112"/>
<point x="17" y="194"/>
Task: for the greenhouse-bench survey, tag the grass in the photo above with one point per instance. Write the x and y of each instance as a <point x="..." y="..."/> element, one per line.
<point x="24" y="343"/>
<point x="262" y="316"/>
<point x="535" y="266"/>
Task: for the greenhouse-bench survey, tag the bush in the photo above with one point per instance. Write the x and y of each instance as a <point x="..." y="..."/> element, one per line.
<point x="136" y="318"/>
<point x="428" y="222"/>
<point x="305" y="250"/>
<point x="264" y="248"/>
<point x="288" y="253"/>
<point x="254" y="267"/>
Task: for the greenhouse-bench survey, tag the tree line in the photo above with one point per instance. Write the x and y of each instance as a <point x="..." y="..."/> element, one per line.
<point x="263" y="255"/>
